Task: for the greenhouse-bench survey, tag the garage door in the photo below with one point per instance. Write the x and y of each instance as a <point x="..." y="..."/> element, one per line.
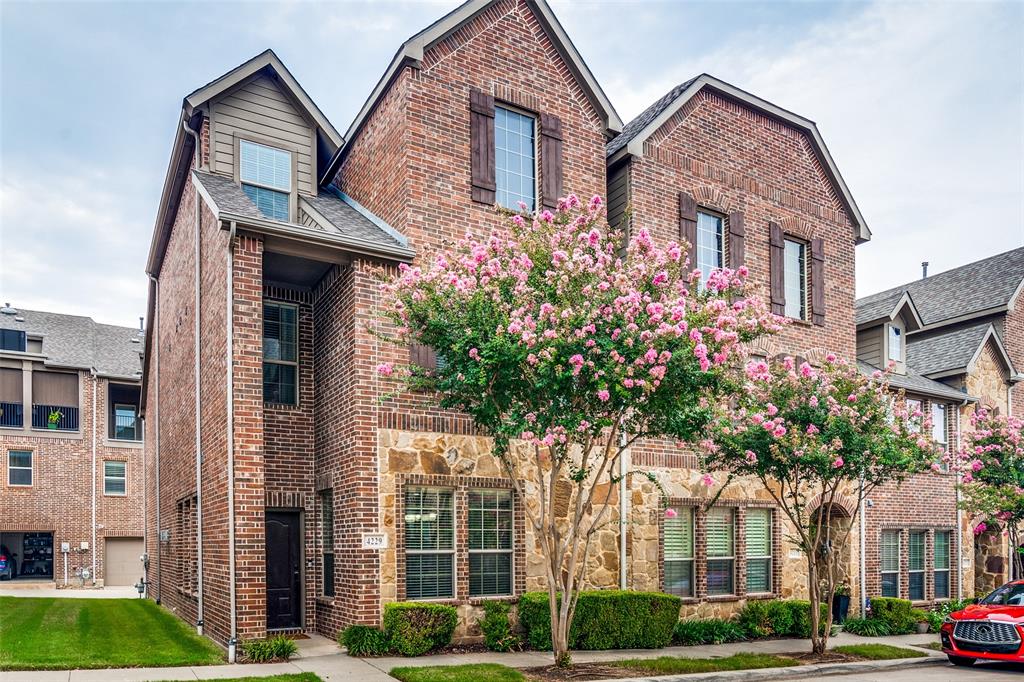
<point x="122" y="563"/>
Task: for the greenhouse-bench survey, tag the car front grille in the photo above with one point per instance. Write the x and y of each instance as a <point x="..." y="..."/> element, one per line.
<point x="986" y="635"/>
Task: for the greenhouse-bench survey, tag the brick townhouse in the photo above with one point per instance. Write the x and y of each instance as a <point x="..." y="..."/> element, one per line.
<point x="288" y="492"/>
<point x="955" y="339"/>
<point x="71" y="439"/>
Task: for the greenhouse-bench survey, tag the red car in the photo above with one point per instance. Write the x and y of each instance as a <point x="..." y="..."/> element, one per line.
<point x="992" y="629"/>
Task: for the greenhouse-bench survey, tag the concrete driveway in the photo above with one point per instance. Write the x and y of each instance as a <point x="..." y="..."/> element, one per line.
<point x="47" y="590"/>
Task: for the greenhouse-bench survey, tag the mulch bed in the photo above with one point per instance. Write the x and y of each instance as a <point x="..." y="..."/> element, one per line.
<point x="462" y="649"/>
<point x="580" y="672"/>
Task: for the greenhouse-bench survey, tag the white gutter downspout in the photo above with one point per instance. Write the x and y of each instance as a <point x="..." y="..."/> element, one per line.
<point x="198" y="415"/>
<point x="959" y="520"/>
<point x="95" y="380"/>
<point x="156" y="432"/>
<point x="863" y="550"/>
<point x="233" y="641"/>
<point x="622" y="514"/>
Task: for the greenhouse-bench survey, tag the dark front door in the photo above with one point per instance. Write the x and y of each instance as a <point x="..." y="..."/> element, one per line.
<point x="284" y="570"/>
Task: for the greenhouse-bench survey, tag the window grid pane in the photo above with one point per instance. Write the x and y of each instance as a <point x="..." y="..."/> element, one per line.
<point x="795" y="280"/>
<point x="679" y="535"/>
<point x="265" y="166"/>
<point x="942" y="562"/>
<point x="271" y="203"/>
<point x="679" y="577"/>
<point x="890" y="563"/>
<point x="114" y="478"/>
<point x="429" y="543"/>
<point x="327" y="541"/>
<point x="490" y="542"/>
<point x="720" y="546"/>
<point x="19" y="467"/>
<point x="895" y="344"/>
<point x="759" y="550"/>
<point x="515" y="159"/>
<point x="709" y="244"/>
<point x="280" y="353"/>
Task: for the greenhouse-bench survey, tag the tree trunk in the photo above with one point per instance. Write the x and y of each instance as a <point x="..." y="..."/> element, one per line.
<point x="814" y="595"/>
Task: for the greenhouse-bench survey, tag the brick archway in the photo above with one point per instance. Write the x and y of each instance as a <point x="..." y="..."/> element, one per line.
<point x="844" y="504"/>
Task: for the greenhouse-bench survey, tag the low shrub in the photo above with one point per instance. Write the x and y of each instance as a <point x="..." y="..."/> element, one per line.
<point x="605" y="619"/>
<point x="698" y="631"/>
<point x="939" y="613"/>
<point x="278" y="648"/>
<point x="414" y="628"/>
<point x="778" y="618"/>
<point x="363" y="640"/>
<point x="897" y="614"/>
<point x="497" y="628"/>
<point x="867" y="627"/>
<point x="800" y="610"/>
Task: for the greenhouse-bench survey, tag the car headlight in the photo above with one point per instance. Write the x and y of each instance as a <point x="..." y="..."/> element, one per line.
<point x="948" y="619"/>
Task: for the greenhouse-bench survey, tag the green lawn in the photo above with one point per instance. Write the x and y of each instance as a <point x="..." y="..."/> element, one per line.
<point x="56" y="634"/>
<point x="672" y="665"/>
<point x="878" y="652"/>
<point x="483" y="672"/>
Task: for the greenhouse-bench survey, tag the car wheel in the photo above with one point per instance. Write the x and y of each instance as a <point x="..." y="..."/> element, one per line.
<point x="960" y="660"/>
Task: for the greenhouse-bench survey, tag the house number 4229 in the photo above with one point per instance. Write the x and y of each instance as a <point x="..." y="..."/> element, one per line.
<point x="375" y="541"/>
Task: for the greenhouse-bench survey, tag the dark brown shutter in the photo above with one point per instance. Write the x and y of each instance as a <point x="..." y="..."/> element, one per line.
<point x="55" y="388"/>
<point x="777" y="264"/>
<point x="481" y="135"/>
<point x="422" y="356"/>
<point x="818" y="281"/>
<point x="11" y="385"/>
<point x="688" y="225"/>
<point x="737" y="234"/>
<point x="551" y="160"/>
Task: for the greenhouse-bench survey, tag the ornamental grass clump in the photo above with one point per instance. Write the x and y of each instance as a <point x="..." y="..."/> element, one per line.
<point x="566" y="345"/>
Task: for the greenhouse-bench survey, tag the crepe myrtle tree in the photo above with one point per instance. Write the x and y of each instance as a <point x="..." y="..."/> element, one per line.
<point x="813" y="436"/>
<point x="991" y="468"/>
<point x="557" y="335"/>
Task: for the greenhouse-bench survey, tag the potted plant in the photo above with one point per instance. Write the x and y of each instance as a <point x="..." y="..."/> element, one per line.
<point x="841" y="603"/>
<point x="54" y="419"/>
<point x="921" y="620"/>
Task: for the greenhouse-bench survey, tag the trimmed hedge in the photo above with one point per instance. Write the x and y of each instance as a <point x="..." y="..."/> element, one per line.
<point x="896" y="614"/>
<point x="497" y="628"/>
<point x="778" y="618"/>
<point x="415" y="628"/>
<point x="605" y="619"/>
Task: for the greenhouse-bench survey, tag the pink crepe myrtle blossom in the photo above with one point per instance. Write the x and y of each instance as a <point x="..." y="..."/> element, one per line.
<point x="386" y="369"/>
<point x="603" y="395"/>
<point x="671" y="513"/>
<point x="980" y="528"/>
<point x="708" y="480"/>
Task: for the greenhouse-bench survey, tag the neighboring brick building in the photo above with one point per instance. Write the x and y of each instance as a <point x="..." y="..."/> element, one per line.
<point x="72" y="495"/>
<point x="954" y="339"/>
<point x="288" y="491"/>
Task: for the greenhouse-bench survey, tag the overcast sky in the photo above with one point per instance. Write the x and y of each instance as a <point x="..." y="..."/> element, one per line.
<point x="921" y="105"/>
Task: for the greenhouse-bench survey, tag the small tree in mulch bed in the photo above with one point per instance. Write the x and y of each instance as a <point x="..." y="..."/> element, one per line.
<point x="812" y="436"/>
<point x="555" y="333"/>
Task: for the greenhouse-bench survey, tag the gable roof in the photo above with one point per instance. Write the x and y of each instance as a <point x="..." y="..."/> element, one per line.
<point x="913" y="382"/>
<point x="183" y="149"/>
<point x="635" y="133"/>
<point x="77" y="342"/>
<point x="413" y="49"/>
<point x="878" y="309"/>
<point x="993" y="284"/>
<point x="330" y="217"/>
<point x="954" y="351"/>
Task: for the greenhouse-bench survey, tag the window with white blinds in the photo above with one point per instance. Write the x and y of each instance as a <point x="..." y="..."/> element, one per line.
<point x="115" y="478"/>
<point x="721" y="553"/>
<point x="429" y="543"/>
<point x="678" y="550"/>
<point x="266" y="175"/>
<point x="327" y="542"/>
<point x="490" y="542"/>
<point x="280" y="353"/>
<point x="19" y="467"/>
<point x="709" y="247"/>
<point x="942" y="562"/>
<point x="915" y="565"/>
<point x="758" y="533"/>
<point x="890" y="551"/>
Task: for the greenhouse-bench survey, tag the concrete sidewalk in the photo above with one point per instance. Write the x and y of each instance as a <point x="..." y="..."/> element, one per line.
<point x="47" y="590"/>
<point x="317" y="657"/>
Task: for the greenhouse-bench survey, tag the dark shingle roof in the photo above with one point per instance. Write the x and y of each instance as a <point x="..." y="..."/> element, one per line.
<point x="877" y="305"/>
<point x="76" y="341"/>
<point x="344" y="219"/>
<point x="966" y="290"/>
<point x="945" y="351"/>
<point x="631" y="129"/>
<point x="912" y="382"/>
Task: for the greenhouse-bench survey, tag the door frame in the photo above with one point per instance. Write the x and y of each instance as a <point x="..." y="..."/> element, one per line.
<point x="300" y="513"/>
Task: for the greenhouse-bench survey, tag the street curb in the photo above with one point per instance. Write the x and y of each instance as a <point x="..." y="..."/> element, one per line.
<point x="793" y="672"/>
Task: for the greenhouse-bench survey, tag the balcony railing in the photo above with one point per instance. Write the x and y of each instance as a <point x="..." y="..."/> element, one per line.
<point x="11" y="414"/>
<point x="67" y="422"/>
<point x="125" y="427"/>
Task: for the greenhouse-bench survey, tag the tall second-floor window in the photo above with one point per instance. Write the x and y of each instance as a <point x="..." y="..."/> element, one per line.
<point x="939" y="431"/>
<point x="266" y="175"/>
<point x="710" y="249"/>
<point x="515" y="162"/>
<point x="895" y="344"/>
<point x="795" y="279"/>
<point x="280" y="353"/>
